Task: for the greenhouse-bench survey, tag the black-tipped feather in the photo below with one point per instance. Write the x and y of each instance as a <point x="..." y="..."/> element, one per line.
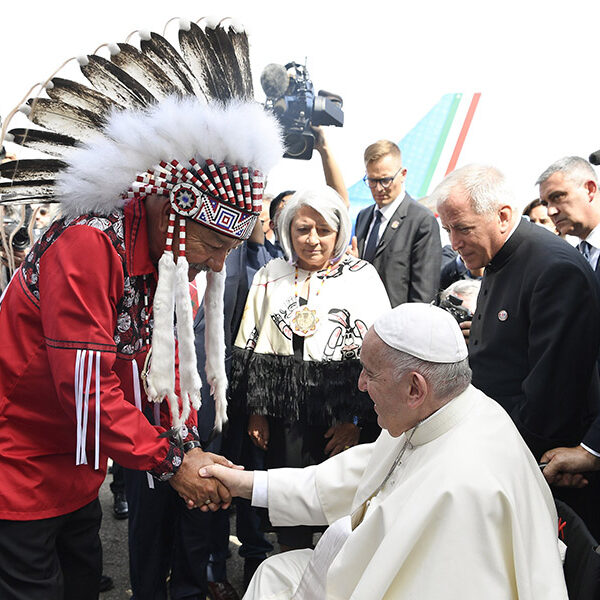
<point x="169" y="60"/>
<point x="115" y="83"/>
<point x="145" y="70"/>
<point x="77" y="94"/>
<point x="239" y="41"/>
<point x="221" y="42"/>
<point x="26" y="192"/>
<point x="38" y="169"/>
<point x="63" y="118"/>
<point x="204" y="62"/>
<point x="43" y="141"/>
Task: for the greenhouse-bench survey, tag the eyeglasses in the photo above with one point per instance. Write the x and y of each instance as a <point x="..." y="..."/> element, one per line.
<point x="384" y="181"/>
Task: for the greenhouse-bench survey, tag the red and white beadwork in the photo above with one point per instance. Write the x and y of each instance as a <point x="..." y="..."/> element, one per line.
<point x="225" y="198"/>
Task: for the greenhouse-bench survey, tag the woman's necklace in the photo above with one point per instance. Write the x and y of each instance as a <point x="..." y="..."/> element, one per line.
<point x="304" y="320"/>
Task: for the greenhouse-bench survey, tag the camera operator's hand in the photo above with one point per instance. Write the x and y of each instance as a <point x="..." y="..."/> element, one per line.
<point x="320" y="140"/>
<point x="465" y="327"/>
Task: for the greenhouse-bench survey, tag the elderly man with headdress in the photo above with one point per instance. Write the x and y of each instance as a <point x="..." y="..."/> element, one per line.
<point x="447" y="503"/>
<point x="159" y="178"/>
<point x="296" y="357"/>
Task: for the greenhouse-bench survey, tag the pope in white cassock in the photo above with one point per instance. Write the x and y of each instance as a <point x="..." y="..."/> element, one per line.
<point x="447" y="503"/>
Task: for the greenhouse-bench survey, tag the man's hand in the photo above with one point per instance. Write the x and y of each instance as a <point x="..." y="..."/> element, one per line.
<point x="343" y="436"/>
<point x="566" y="466"/>
<point x="465" y="327"/>
<point x="258" y="430"/>
<point x="238" y="482"/>
<point x="208" y="494"/>
<point x="352" y="250"/>
<point x="320" y="141"/>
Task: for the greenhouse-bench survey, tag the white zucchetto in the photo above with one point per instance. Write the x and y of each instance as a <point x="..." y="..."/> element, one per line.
<point x="424" y="331"/>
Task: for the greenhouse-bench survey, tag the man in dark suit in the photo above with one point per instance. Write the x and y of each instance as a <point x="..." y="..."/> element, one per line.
<point x="569" y="188"/>
<point x="535" y="334"/>
<point x="241" y="265"/>
<point x="399" y="236"/>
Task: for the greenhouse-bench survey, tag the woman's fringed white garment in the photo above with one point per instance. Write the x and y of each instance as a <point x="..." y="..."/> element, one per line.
<point x="161" y="376"/>
<point x="215" y="344"/>
<point x="189" y="380"/>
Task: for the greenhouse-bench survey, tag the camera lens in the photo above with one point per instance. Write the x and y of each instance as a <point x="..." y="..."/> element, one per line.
<point x="296" y="144"/>
<point x="21" y="239"/>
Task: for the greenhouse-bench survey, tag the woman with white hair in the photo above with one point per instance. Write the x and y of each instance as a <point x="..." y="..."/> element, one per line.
<point x="296" y="357"/>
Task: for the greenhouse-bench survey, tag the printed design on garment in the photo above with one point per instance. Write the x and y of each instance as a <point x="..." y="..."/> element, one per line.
<point x="346" y="338"/>
<point x="351" y="264"/>
<point x="131" y="313"/>
<point x="252" y="339"/>
<point x="283" y="316"/>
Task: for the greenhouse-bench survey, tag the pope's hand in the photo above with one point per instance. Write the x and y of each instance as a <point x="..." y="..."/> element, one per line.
<point x="208" y="494"/>
<point x="238" y="482"/>
<point x="566" y="466"/>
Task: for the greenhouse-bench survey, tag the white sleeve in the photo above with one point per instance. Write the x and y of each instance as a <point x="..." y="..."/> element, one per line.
<point x="293" y="499"/>
<point x="260" y="489"/>
<point x="319" y="494"/>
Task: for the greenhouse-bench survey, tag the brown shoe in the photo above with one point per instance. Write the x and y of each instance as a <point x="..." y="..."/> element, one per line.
<point x="221" y="590"/>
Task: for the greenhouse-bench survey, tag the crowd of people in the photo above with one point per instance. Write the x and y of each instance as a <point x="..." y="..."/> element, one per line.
<point x="406" y="408"/>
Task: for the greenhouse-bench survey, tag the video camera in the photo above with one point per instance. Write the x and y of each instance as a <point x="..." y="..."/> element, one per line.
<point x="453" y="305"/>
<point x="291" y="97"/>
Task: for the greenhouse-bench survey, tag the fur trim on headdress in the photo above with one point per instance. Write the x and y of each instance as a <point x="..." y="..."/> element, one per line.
<point x="161" y="376"/>
<point x="215" y="344"/>
<point x="189" y="380"/>
<point x="100" y="172"/>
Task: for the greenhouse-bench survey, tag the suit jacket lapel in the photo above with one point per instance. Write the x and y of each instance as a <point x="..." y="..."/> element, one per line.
<point x="597" y="273"/>
<point x="362" y="228"/>
<point x="394" y="224"/>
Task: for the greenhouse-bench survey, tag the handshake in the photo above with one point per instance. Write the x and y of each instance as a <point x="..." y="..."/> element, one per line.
<point x="209" y="481"/>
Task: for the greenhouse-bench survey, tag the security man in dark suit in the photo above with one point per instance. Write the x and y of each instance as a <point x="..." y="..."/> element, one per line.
<point x="399" y="236"/>
<point x="569" y="188"/>
<point x="535" y="334"/>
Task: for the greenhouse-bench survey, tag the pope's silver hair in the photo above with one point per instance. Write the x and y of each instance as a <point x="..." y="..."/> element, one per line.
<point x="575" y="168"/>
<point x="328" y="203"/>
<point x="485" y="185"/>
<point x="447" y="380"/>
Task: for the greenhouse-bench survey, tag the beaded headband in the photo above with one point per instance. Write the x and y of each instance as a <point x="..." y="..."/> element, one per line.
<point x="208" y="198"/>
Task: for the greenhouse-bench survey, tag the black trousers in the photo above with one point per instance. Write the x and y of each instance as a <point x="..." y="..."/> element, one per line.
<point x="52" y="559"/>
<point x="169" y="545"/>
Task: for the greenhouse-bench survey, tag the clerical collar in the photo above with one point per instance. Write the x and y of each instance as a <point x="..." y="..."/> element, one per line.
<point x="442" y="420"/>
<point x="512" y="241"/>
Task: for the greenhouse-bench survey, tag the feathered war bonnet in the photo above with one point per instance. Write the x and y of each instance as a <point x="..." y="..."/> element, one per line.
<point x="176" y="123"/>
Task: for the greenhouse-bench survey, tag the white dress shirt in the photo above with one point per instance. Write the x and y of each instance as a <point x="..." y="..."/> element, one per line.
<point x="387" y="212"/>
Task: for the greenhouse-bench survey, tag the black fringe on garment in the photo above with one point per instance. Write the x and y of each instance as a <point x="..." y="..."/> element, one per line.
<point x="283" y="386"/>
